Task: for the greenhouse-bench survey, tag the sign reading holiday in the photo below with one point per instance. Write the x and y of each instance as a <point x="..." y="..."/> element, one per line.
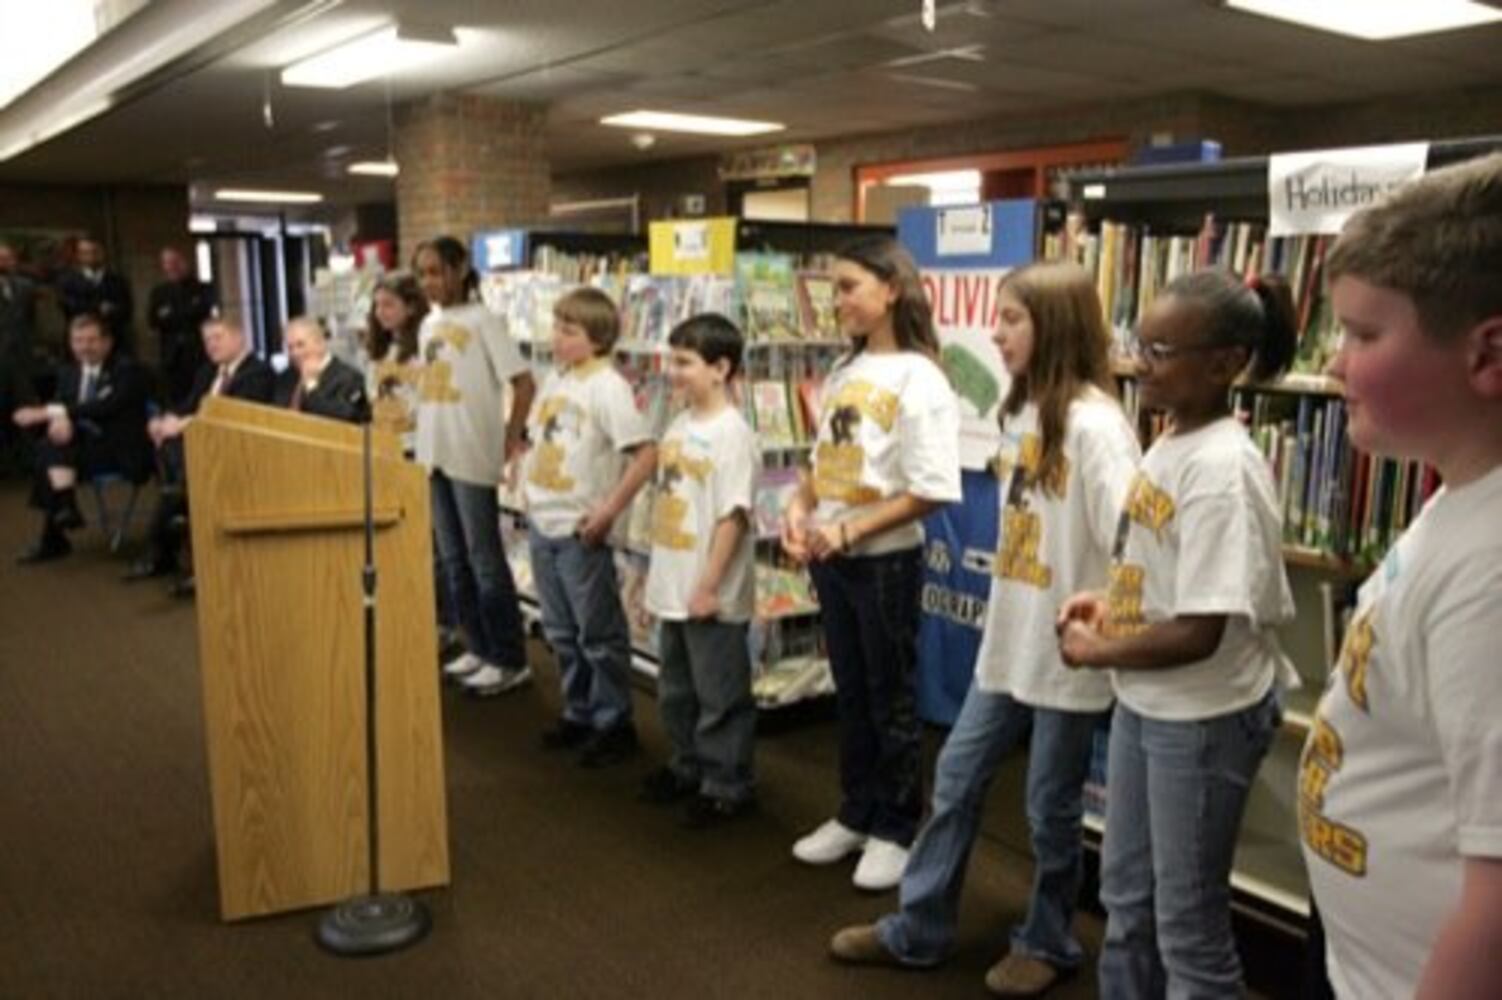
<point x="1317" y="192"/>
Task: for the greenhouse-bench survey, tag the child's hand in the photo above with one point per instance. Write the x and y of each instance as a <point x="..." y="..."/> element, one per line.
<point x="1088" y="608"/>
<point x="794" y="537"/>
<point x="1079" y="645"/>
<point x="825" y="540"/>
<point x="594" y="527"/>
<point x="516" y="446"/>
<point x="703" y="603"/>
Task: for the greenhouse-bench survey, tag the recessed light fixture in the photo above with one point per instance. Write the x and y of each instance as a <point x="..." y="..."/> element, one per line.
<point x="384" y="52"/>
<point x="375" y="168"/>
<point x="669" y="121"/>
<point x="268" y="197"/>
<point x="1374" y="20"/>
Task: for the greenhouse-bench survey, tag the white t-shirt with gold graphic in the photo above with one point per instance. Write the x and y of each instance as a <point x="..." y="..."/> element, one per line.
<point x="891" y="425"/>
<point x="584" y="420"/>
<point x="468" y="360"/>
<point x="706" y="471"/>
<point x="1401" y="778"/>
<point x="1204" y="537"/>
<point x="395" y="389"/>
<point x="1053" y="543"/>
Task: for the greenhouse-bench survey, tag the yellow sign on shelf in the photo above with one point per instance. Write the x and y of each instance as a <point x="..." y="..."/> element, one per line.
<point x="692" y="246"/>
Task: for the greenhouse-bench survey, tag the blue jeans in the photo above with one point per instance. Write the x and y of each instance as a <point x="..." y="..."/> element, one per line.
<point x="583" y="621"/>
<point x="704" y="694"/>
<point x="467" y="529"/>
<point x="870" y="609"/>
<point x="1175" y="793"/>
<point x="989" y="727"/>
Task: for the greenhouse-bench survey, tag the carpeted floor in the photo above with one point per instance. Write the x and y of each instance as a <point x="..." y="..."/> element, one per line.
<point x="563" y="885"/>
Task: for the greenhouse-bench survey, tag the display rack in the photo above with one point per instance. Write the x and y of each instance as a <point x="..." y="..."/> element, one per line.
<point x="1221" y="208"/>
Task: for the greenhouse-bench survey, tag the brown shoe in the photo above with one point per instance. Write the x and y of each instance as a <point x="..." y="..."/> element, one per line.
<point x="860" y="945"/>
<point x="1020" y="976"/>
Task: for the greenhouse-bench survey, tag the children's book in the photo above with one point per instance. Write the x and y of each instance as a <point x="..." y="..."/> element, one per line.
<point x="816" y="306"/>
<point x="773" y="414"/>
<point x="768" y="296"/>
<point x="773" y="490"/>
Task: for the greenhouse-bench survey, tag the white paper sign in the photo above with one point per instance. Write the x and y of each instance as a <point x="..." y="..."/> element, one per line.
<point x="1317" y="192"/>
<point x="691" y="241"/>
<point x="963" y="231"/>
<point x="965" y="305"/>
<point x="498" y="251"/>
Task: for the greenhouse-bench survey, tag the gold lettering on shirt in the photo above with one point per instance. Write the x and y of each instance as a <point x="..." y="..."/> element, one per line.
<point x="840" y="461"/>
<point x="1149" y="506"/>
<point x="389" y="409"/>
<point x="438" y="373"/>
<point x="1021" y="534"/>
<point x="1333" y="842"/>
<point x="556" y="416"/>
<point x="1355" y="656"/>
<point x="1124" y="601"/>
<point x="669" y="511"/>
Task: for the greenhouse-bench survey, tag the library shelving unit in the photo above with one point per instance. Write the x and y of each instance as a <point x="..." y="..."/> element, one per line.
<point x="1137" y="227"/>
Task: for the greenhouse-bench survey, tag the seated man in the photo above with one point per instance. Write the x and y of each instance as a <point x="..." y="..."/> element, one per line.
<point x="317" y="382"/>
<point x="232" y="370"/>
<point x="97" y="423"/>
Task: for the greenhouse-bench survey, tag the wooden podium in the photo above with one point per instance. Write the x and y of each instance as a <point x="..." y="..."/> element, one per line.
<point x="278" y="547"/>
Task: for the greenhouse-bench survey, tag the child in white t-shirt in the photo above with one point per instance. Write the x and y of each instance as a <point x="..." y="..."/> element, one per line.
<point x="468" y="359"/>
<point x="1400" y="784"/>
<point x="887" y="454"/>
<point x="590" y="452"/>
<point x="1197" y="588"/>
<point x="1067" y="455"/>
<point x="700" y="583"/>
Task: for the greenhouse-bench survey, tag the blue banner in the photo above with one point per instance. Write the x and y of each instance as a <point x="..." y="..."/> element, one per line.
<point x="959" y="546"/>
<point x="495" y="249"/>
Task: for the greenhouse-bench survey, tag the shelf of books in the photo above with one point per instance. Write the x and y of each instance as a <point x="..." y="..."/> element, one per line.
<point x="784" y="302"/>
<point x="1135" y="230"/>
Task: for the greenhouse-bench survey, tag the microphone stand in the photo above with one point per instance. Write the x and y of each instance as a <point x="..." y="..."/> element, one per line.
<point x="378" y="922"/>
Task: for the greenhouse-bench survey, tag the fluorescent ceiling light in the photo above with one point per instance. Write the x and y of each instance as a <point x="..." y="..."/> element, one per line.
<point x="1374" y="20"/>
<point x="384" y="52"/>
<point x="269" y="197"/>
<point x="668" y="121"/>
<point x="375" y="168"/>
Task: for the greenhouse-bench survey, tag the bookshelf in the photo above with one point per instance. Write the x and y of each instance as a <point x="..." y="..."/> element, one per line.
<point x="1136" y="228"/>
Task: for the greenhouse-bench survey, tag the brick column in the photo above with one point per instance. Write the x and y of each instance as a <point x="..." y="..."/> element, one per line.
<point x="468" y="163"/>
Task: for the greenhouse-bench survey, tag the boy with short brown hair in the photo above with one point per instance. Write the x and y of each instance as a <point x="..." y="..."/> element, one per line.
<point x="1400" y="786"/>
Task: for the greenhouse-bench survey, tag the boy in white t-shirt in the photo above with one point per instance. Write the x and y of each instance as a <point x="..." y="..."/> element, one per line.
<point x="590" y="452"/>
<point x="1400" y="784"/>
<point x="700" y="583"/>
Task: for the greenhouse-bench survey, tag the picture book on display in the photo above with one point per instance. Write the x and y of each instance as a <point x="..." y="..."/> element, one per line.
<point x="816" y="306"/>
<point x="768" y="295"/>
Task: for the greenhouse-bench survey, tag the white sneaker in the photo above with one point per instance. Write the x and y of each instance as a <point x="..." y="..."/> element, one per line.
<point x="881" y="866"/>
<point x="462" y="666"/>
<point x="828" y="844"/>
<point x="491" y="680"/>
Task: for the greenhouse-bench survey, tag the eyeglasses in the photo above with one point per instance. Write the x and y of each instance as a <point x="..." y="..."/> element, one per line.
<point x="1156" y="351"/>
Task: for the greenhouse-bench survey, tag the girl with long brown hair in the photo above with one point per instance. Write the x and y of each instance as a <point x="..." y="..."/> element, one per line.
<point x="887" y="454"/>
<point x="1066" y="458"/>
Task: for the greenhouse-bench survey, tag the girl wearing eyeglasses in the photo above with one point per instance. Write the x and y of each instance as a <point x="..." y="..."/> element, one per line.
<point x="1186" y="627"/>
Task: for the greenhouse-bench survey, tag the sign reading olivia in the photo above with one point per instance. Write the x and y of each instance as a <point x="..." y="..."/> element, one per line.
<point x="962" y="254"/>
<point x="1317" y="192"/>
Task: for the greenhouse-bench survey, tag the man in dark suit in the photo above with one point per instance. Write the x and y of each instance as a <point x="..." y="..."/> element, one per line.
<point x="17" y="320"/>
<point x="91" y="287"/>
<point x="96" y="423"/>
<point x="231" y="370"/>
<point x="177" y="310"/>
<point x="317" y="382"/>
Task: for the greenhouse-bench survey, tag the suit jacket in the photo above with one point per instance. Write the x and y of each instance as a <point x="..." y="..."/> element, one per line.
<point x="339" y="393"/>
<point x="114" y="421"/>
<point x="254" y="381"/>
<point x="109" y="298"/>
